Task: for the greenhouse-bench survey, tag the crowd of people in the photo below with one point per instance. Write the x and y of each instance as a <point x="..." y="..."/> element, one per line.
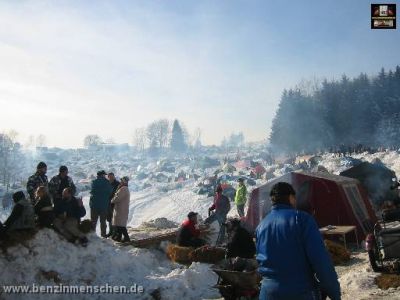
<point x="53" y="204"/>
<point x="292" y="258"/>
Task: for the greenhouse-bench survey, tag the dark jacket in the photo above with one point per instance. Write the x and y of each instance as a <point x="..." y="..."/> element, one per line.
<point x="34" y="182"/>
<point x="241" y="244"/>
<point x="187" y="233"/>
<point x="114" y="185"/>
<point x="22" y="216"/>
<point x="221" y="204"/>
<point x="44" y="211"/>
<point x="70" y="208"/>
<point x="58" y="184"/>
<point x="100" y="195"/>
<point x="290" y="250"/>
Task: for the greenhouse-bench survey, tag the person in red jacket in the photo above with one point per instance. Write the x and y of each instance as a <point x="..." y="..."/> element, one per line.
<point x="188" y="234"/>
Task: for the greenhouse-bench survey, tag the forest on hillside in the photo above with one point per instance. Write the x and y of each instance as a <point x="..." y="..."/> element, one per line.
<point x="350" y="111"/>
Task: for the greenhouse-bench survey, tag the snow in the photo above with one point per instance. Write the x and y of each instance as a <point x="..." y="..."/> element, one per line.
<point x="99" y="264"/>
<point x="161" y="206"/>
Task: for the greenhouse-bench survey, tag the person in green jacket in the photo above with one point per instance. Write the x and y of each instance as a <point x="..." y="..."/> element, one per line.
<point x="240" y="197"/>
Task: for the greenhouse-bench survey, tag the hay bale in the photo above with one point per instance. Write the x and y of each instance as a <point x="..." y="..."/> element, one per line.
<point x="85" y="226"/>
<point x="207" y="254"/>
<point x="338" y="253"/>
<point x="179" y="254"/>
<point x="386" y="281"/>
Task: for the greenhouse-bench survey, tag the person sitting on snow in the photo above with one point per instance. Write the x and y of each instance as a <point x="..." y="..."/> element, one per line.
<point x="240" y="241"/>
<point x="221" y="206"/>
<point x="188" y="234"/>
<point x="22" y="216"/>
<point x="68" y="213"/>
<point x="43" y="208"/>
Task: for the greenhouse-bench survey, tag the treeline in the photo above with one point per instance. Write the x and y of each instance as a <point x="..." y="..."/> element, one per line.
<point x="359" y="111"/>
<point x="157" y="137"/>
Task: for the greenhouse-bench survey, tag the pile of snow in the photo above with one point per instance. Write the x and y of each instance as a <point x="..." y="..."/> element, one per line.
<point x="160" y="223"/>
<point x="99" y="264"/>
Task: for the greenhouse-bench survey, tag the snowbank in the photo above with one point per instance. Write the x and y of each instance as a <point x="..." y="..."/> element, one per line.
<point x="99" y="264"/>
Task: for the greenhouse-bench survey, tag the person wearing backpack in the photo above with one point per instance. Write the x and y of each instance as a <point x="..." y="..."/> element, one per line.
<point x="218" y="212"/>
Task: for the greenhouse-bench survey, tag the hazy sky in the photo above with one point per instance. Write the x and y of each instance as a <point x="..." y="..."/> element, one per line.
<point x="69" y="68"/>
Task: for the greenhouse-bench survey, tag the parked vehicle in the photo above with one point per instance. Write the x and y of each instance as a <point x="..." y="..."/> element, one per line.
<point x="383" y="245"/>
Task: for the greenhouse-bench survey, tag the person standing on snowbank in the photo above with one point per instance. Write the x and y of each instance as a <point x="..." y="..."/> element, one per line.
<point x="219" y="210"/>
<point x="115" y="184"/>
<point x="291" y="253"/>
<point x="36" y="180"/>
<point x="99" y="201"/>
<point x="240" y="197"/>
<point x="121" y="211"/>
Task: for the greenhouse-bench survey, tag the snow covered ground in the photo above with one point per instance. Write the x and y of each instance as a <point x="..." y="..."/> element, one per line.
<point x="103" y="262"/>
<point x="99" y="264"/>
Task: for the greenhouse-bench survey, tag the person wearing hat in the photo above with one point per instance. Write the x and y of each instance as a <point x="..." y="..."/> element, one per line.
<point x="121" y="211"/>
<point x="188" y="235"/>
<point x="60" y="182"/>
<point x="99" y="201"/>
<point x="291" y="254"/>
<point x="36" y="180"/>
<point x="240" y="197"/>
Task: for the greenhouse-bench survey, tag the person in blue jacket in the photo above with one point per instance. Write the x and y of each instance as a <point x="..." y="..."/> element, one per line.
<point x="292" y="257"/>
<point x="100" y="201"/>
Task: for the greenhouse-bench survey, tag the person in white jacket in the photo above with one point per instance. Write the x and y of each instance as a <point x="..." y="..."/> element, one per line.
<point x="121" y="211"/>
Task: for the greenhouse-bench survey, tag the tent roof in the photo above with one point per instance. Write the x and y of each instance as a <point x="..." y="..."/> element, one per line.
<point x="328" y="176"/>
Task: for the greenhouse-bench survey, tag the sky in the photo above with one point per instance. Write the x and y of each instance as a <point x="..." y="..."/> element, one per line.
<point x="72" y="68"/>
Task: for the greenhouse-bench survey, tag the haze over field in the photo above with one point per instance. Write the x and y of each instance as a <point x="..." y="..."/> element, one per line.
<point x="70" y="68"/>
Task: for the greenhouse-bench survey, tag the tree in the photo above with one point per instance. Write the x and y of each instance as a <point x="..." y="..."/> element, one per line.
<point x="92" y="140"/>
<point x="157" y="134"/>
<point x="139" y="139"/>
<point x="11" y="159"/>
<point x="40" y="141"/>
<point x="178" y="143"/>
<point x="197" y="138"/>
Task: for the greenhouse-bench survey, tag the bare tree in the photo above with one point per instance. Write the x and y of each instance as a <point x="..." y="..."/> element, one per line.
<point x="11" y="158"/>
<point x="197" y="138"/>
<point x="157" y="133"/>
<point x="139" y="139"/>
<point x="40" y="140"/>
<point x="92" y="140"/>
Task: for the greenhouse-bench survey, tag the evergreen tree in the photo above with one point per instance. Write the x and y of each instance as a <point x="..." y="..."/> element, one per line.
<point x="178" y="143"/>
<point x="346" y="112"/>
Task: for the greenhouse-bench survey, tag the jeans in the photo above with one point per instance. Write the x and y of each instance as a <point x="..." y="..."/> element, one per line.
<point x="94" y="216"/>
<point x="268" y="293"/>
<point x="240" y="210"/>
<point x="221" y="218"/>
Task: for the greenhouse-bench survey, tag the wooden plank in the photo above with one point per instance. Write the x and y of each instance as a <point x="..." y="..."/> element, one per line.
<point x="155" y="240"/>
